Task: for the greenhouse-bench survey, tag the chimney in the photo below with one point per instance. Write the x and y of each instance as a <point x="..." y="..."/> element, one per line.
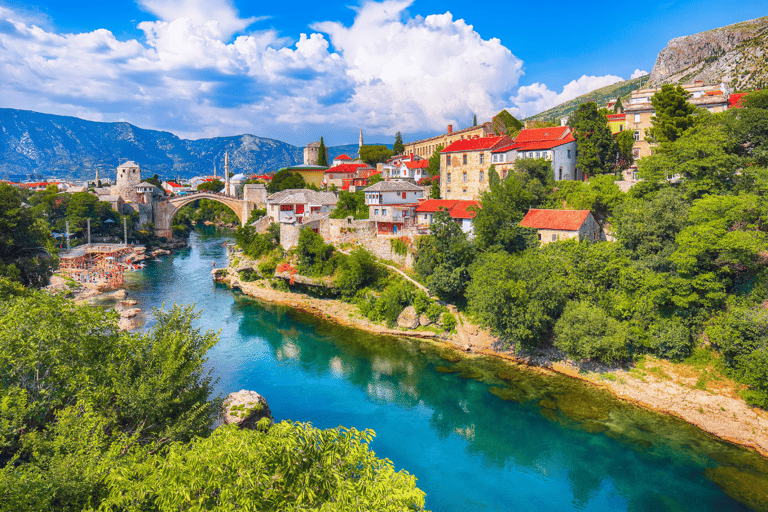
<point x="450" y="128"/>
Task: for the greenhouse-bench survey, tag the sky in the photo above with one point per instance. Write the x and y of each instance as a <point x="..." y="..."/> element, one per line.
<point x="295" y="71"/>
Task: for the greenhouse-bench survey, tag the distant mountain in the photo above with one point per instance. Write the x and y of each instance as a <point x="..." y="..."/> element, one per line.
<point x="734" y="54"/>
<point x="599" y="96"/>
<point x="32" y="142"/>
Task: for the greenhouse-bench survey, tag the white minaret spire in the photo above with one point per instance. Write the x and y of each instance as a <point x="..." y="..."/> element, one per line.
<point x="226" y="173"/>
<point x="361" y="137"/>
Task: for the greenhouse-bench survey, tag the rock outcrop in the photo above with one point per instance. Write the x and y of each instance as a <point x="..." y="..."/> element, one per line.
<point x="408" y="318"/>
<point x="245" y="408"/>
<point x="736" y="55"/>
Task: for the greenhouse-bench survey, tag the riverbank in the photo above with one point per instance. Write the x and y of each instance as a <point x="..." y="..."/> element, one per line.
<point x="659" y="385"/>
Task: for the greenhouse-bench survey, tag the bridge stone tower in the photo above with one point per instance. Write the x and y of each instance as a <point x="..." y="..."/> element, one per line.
<point x="128" y="177"/>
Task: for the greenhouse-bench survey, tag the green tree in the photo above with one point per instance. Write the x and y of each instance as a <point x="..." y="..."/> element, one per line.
<point x="155" y="180"/>
<point x="211" y="186"/>
<point x="350" y="204"/>
<point x="284" y="180"/>
<point x="502" y="207"/>
<point x="322" y="158"/>
<point x="672" y="116"/>
<point x="375" y="154"/>
<point x="356" y="272"/>
<point x="751" y="126"/>
<point x="398" y="148"/>
<point x="25" y="241"/>
<point x="506" y="123"/>
<point x="474" y="119"/>
<point x="619" y="106"/>
<point x="434" y="189"/>
<point x="314" y="254"/>
<point x="585" y="331"/>
<point x="594" y="139"/>
<point x="434" y="162"/>
<point x="625" y="141"/>
<point x="493" y="177"/>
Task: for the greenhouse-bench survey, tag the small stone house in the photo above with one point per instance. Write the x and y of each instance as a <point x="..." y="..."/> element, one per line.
<point x="392" y="205"/>
<point x="555" y="225"/>
<point x="292" y="205"/>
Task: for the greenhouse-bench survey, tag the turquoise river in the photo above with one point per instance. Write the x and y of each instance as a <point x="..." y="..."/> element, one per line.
<point x="478" y="434"/>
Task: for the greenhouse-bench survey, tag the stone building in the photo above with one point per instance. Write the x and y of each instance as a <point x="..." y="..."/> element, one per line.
<point x="312" y="153"/>
<point x="464" y="166"/>
<point x="426" y="147"/>
<point x="554" y="225"/>
<point x="128" y="178"/>
<point x="392" y="205"/>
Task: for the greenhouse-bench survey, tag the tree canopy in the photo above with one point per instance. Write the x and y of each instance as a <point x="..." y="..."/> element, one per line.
<point x="594" y="139"/>
<point x="375" y="154"/>
<point x="322" y="157"/>
<point x="398" y="148"/>
<point x="672" y="114"/>
<point x="285" y="179"/>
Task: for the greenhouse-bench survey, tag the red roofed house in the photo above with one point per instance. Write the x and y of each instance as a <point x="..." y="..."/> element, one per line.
<point x="555" y="144"/>
<point x="459" y="211"/>
<point x="464" y="166"/>
<point x="554" y="225"/>
<point x="336" y="174"/>
<point x="342" y="159"/>
<point x="174" y="188"/>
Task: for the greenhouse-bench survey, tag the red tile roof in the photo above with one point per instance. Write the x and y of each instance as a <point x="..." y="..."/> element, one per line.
<point x="173" y="184"/>
<point x="617" y="117"/>
<point x="714" y="93"/>
<point x="456" y="208"/>
<point x="344" y="168"/>
<point x="537" y="134"/>
<point x="368" y="172"/>
<point x="419" y="164"/>
<point x="478" y="144"/>
<point x="734" y="100"/>
<point x="342" y="157"/>
<point x="509" y="147"/>
<point x="560" y="220"/>
<point x="462" y="211"/>
<point x="545" y="144"/>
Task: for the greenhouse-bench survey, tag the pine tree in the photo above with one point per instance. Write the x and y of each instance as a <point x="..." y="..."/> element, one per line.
<point x="322" y="158"/>
<point x="619" y="106"/>
<point x="672" y="114"/>
<point x="398" y="146"/>
<point x="474" y="119"/>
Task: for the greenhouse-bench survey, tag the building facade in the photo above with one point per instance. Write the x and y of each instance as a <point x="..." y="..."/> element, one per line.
<point x="464" y="166"/>
<point x="426" y="147"/>
<point x="392" y="205"/>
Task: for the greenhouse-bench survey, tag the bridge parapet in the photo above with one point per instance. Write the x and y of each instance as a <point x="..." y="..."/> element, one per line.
<point x="165" y="211"/>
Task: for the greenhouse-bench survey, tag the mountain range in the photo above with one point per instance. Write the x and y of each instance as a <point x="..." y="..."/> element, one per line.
<point x="69" y="147"/>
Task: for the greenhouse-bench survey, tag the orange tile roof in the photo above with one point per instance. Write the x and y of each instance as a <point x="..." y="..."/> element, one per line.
<point x="456" y="208"/>
<point x="536" y="134"/>
<point x="617" y="117"/>
<point x="560" y="220"/>
<point x="419" y="164"/>
<point x="342" y="157"/>
<point x="734" y="100"/>
<point x="545" y="144"/>
<point x="344" y="168"/>
<point x="478" y="144"/>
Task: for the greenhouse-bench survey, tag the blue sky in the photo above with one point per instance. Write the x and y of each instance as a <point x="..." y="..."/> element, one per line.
<point x="297" y="70"/>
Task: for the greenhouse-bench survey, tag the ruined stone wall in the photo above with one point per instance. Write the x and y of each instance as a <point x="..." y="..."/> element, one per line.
<point x="289" y="235"/>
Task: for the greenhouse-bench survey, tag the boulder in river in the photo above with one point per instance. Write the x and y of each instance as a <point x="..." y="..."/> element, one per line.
<point x="130" y="313"/>
<point x="245" y="408"/>
<point x="408" y="318"/>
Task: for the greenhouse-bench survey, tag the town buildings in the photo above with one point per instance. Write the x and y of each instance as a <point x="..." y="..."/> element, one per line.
<point x="462" y="212"/>
<point x="464" y="166"/>
<point x="392" y="205"/>
<point x="639" y="110"/>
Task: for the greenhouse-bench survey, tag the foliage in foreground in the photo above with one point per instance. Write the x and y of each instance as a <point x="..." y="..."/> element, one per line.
<point x="291" y="466"/>
<point x="92" y="418"/>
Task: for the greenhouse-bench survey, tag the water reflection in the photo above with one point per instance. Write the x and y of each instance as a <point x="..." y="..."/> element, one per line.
<point x="479" y="435"/>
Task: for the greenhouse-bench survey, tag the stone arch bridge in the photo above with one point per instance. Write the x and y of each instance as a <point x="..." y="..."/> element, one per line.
<point x="165" y="211"/>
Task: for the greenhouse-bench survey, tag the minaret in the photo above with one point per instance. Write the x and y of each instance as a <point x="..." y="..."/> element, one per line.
<point x="226" y="173"/>
<point x="96" y="183"/>
<point x="361" y="137"/>
<point x="214" y="171"/>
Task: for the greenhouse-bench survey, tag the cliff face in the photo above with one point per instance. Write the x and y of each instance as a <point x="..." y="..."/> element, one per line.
<point x="735" y="54"/>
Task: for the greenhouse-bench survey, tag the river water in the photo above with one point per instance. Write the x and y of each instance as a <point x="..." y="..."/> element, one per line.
<point x="478" y="435"/>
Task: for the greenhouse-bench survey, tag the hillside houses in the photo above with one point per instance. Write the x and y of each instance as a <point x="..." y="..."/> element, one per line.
<point x="555" y="225"/>
<point x="392" y="205"/>
<point x="461" y="212"/>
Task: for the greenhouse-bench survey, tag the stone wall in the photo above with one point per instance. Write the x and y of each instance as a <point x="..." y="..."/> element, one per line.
<point x="289" y="235"/>
<point x="349" y="230"/>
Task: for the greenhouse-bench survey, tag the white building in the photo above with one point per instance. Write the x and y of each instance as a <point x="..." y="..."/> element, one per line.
<point x="392" y="205"/>
<point x="555" y="144"/>
<point x="293" y="204"/>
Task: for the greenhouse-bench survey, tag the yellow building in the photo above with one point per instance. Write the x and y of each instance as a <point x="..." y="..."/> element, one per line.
<point x="640" y="110"/>
<point x="312" y="174"/>
<point x="617" y="123"/>
<point x="426" y="147"/>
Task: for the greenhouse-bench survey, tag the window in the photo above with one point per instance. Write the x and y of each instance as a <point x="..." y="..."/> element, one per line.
<point x="637" y="118"/>
<point x="636" y="153"/>
<point x="637" y="136"/>
<point x="537" y="155"/>
<point x="482" y="176"/>
<point x="286" y="207"/>
<point x="539" y="237"/>
<point x="447" y="160"/>
<point x="464" y="159"/>
<point x="621" y="127"/>
<point x="384" y="211"/>
<point x="482" y="157"/>
<point x="569" y="153"/>
<point x="554" y="237"/>
<point x="404" y="194"/>
<point x="560" y="174"/>
<point x="448" y="178"/>
<point x="376" y="211"/>
<point x="464" y="177"/>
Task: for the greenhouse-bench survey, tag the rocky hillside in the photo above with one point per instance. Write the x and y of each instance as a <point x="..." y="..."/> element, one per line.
<point x="599" y="96"/>
<point x="735" y="54"/>
<point x="71" y="147"/>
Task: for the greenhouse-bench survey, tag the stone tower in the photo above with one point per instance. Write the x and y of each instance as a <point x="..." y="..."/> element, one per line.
<point x="312" y="153"/>
<point x="128" y="177"/>
<point x="361" y="137"/>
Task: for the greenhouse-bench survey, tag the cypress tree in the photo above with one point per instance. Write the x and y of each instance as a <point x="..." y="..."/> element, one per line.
<point x="322" y="159"/>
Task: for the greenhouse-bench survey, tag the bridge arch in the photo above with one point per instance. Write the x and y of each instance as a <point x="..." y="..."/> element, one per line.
<point x="165" y="211"/>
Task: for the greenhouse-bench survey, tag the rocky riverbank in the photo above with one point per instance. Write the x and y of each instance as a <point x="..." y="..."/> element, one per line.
<point x="659" y="385"/>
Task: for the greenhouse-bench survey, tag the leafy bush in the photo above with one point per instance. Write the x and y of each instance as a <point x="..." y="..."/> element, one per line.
<point x="248" y="275"/>
<point x="268" y="266"/>
<point x="314" y="254"/>
<point x="449" y="321"/>
<point x="671" y="339"/>
<point x="434" y="311"/>
<point x="389" y="304"/>
<point x="356" y="272"/>
<point x="585" y="331"/>
<point x="421" y="302"/>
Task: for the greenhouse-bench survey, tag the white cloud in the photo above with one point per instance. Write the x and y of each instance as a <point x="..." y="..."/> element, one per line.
<point x="387" y="71"/>
<point x="638" y="73"/>
<point x="535" y="98"/>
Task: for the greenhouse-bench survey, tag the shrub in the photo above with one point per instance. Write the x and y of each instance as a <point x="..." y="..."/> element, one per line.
<point x="421" y="302"/>
<point x="434" y="311"/>
<point x="357" y="271"/>
<point x="268" y="266"/>
<point x="670" y="339"/>
<point x="314" y="254"/>
<point x="449" y="321"/>
<point x="248" y="275"/>
<point x="585" y="331"/>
